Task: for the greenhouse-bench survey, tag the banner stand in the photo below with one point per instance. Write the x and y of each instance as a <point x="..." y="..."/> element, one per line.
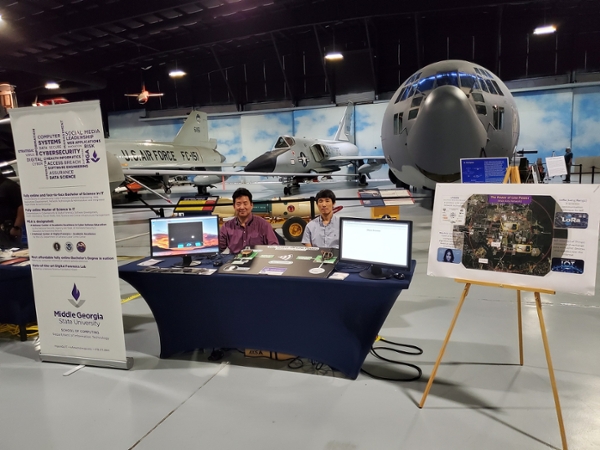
<point x="538" y="304"/>
<point x="126" y="365"/>
<point x="63" y="168"/>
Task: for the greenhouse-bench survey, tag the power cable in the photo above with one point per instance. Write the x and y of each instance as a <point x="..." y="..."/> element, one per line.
<point x="417" y="351"/>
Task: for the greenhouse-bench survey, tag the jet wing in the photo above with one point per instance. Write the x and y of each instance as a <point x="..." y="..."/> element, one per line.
<point x="159" y="172"/>
<point x="351" y="159"/>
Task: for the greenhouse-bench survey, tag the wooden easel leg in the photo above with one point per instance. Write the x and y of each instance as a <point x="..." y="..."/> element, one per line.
<point x="520" y="321"/>
<point x="538" y="304"/>
<point x="443" y="349"/>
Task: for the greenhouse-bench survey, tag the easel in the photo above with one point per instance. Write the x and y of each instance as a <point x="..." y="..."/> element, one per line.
<point x="513" y="174"/>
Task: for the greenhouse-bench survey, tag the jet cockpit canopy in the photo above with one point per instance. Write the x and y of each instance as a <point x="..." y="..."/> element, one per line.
<point x="284" y="142"/>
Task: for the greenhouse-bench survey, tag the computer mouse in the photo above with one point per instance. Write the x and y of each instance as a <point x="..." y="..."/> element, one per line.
<point x="217" y="263"/>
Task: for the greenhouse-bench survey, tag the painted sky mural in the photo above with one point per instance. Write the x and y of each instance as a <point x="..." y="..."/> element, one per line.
<point x="550" y="121"/>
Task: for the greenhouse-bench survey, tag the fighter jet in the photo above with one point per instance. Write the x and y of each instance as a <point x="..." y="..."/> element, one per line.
<point x="444" y="112"/>
<point x="297" y="159"/>
<point x="191" y="154"/>
<point x="143" y="96"/>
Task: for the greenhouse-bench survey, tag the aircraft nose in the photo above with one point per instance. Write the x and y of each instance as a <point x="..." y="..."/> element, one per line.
<point x="446" y="111"/>
<point x="264" y="163"/>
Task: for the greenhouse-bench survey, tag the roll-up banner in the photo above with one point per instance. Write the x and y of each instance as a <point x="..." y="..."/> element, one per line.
<point x="63" y="171"/>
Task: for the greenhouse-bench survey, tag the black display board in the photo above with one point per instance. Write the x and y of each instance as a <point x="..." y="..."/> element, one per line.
<point x="281" y="260"/>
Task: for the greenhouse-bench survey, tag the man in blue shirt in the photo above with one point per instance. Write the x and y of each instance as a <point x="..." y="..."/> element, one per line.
<point x="323" y="231"/>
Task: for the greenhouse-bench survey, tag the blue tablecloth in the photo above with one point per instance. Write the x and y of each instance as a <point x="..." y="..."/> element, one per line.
<point x="331" y="321"/>
<point x="16" y="297"/>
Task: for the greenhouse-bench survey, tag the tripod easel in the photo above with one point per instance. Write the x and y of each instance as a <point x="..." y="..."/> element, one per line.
<point x="512" y="174"/>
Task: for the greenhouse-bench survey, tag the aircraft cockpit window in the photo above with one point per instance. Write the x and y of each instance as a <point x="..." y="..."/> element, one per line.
<point x="290" y="140"/>
<point x="412" y="91"/>
<point x="477" y="96"/>
<point x="405" y="93"/>
<point x="400" y="95"/>
<point x="413" y="113"/>
<point x="413" y="78"/>
<point x="397" y="123"/>
<point x="467" y="80"/>
<point x="497" y="87"/>
<point x="426" y="84"/>
<point x="416" y="101"/>
<point x="482" y="84"/>
<point x="498" y="117"/>
<point x="491" y="87"/>
<point x="481" y="109"/>
<point x="447" y="78"/>
<point x="282" y="142"/>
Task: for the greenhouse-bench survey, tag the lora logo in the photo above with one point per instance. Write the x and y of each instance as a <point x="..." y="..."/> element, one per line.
<point x="76" y="299"/>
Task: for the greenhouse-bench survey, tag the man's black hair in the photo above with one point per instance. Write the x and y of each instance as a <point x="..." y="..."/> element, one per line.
<point x="325" y="193"/>
<point x="242" y="192"/>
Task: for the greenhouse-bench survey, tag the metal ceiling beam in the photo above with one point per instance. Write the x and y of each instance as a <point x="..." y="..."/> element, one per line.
<point x="285" y="78"/>
<point x="372" y="61"/>
<point x="322" y="56"/>
<point x="233" y="96"/>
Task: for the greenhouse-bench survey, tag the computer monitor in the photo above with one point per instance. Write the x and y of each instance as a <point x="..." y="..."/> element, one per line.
<point x="185" y="237"/>
<point x="386" y="245"/>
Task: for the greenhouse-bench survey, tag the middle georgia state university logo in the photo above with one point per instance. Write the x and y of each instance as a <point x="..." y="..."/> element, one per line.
<point x="76" y="301"/>
<point x="95" y="158"/>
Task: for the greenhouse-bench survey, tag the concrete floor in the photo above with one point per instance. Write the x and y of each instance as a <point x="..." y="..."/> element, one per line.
<point x="481" y="398"/>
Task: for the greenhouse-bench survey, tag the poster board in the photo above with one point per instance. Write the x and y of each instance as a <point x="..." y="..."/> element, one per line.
<point x="530" y="235"/>
<point x="483" y="170"/>
<point x="556" y="166"/>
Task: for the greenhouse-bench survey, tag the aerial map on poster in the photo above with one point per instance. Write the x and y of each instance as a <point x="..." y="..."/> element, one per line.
<point x="538" y="236"/>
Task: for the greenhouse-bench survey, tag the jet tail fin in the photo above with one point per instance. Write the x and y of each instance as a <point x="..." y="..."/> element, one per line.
<point x="344" y="132"/>
<point x="195" y="131"/>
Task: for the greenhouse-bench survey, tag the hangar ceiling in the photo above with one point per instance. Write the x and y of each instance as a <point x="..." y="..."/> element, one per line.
<point x="243" y="52"/>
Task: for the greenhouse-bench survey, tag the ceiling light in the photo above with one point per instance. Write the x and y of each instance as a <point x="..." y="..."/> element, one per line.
<point x="52" y="85"/>
<point x="546" y="29"/>
<point x="177" y="73"/>
<point x="334" y="56"/>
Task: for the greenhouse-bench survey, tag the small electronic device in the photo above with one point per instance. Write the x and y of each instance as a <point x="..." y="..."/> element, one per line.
<point x="186" y="237"/>
<point x="386" y="245"/>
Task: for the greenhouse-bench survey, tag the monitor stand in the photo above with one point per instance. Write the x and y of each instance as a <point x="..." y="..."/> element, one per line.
<point x="377" y="273"/>
<point x="187" y="262"/>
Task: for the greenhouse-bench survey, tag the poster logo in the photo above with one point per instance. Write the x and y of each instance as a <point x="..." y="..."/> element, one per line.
<point x="95" y="158"/>
<point x="570" y="220"/>
<point x="567" y="265"/>
<point x="75" y="300"/>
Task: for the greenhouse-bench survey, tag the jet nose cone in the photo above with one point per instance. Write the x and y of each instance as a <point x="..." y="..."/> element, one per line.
<point x="445" y="112"/>
<point x="264" y="163"/>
